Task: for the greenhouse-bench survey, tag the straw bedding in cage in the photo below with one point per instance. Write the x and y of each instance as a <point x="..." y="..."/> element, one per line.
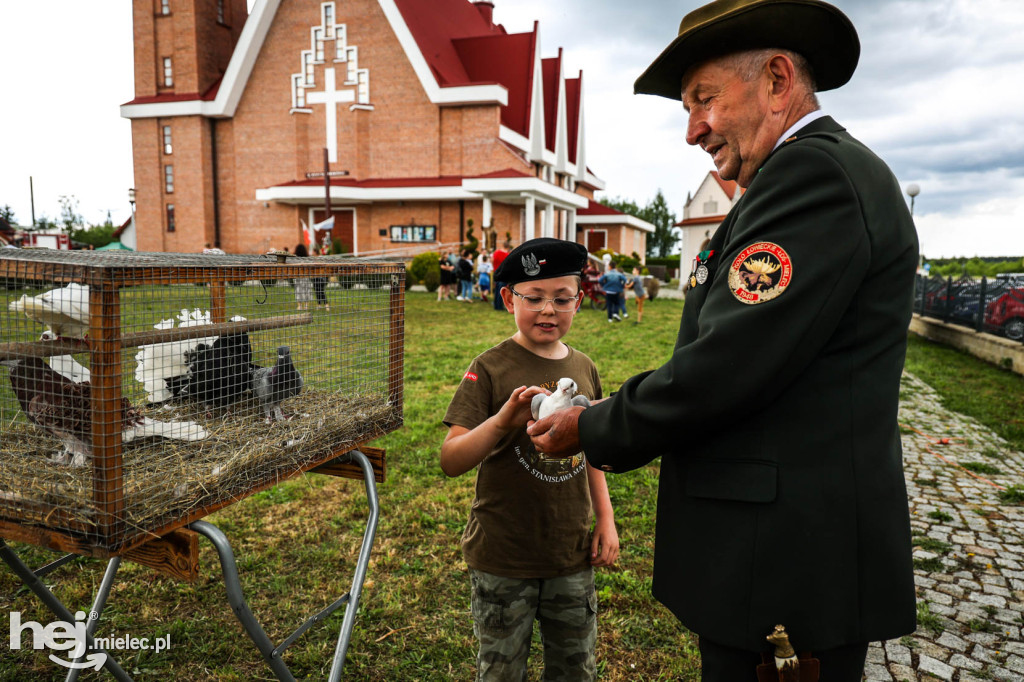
<point x="166" y="480"/>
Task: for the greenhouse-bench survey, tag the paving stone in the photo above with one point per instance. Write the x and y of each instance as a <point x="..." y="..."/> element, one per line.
<point x="874" y="672"/>
<point x="951" y="641"/>
<point x="936" y="668"/>
<point x="897" y="653"/>
<point x="902" y="673"/>
<point x="961" y="661"/>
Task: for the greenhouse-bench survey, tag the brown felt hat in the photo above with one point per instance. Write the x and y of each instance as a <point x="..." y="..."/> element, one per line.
<point x="816" y="30"/>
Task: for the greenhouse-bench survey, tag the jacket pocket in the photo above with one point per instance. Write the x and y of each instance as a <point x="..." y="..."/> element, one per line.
<point x="740" y="480"/>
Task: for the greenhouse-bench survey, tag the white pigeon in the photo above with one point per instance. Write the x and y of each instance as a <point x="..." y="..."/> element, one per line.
<point x="161" y="367"/>
<point x="563" y="397"/>
<point x="66" y="365"/>
<point x="65" y="311"/>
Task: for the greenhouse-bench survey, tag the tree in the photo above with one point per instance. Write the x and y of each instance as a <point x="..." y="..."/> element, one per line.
<point x="665" y="236"/>
<point x="70" y="219"/>
<point x="657" y="213"/>
<point x="7" y="213"/>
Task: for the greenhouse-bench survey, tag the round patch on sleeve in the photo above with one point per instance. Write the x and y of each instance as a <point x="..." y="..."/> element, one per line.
<point x="760" y="273"/>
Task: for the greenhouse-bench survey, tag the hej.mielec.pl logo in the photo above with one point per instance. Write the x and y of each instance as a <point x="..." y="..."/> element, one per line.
<point x="70" y="639"/>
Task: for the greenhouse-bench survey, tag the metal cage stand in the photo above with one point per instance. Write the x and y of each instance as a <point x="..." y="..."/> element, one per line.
<point x="271" y="654"/>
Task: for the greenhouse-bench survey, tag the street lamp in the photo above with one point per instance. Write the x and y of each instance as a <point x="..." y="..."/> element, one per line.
<point x="913" y="189"/>
<point x="131" y="198"/>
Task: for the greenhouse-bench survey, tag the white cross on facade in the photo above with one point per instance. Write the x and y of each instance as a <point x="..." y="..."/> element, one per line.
<point x="332" y="98"/>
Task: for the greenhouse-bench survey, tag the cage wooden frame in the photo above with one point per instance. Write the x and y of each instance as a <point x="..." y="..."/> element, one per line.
<point x="106" y="278"/>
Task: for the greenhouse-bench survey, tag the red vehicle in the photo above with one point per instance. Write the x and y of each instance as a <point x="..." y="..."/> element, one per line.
<point x="1006" y="314"/>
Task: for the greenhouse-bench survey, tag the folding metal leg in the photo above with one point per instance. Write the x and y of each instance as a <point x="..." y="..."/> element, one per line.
<point x="271" y="654"/>
<point x="32" y="581"/>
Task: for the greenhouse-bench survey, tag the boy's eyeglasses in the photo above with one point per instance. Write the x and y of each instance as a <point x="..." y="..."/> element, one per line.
<point x="561" y="304"/>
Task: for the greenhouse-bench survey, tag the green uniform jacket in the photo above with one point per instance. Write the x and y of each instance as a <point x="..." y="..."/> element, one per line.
<point x="782" y="498"/>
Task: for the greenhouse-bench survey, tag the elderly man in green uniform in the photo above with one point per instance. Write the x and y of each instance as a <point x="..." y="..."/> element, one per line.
<point x="782" y="498"/>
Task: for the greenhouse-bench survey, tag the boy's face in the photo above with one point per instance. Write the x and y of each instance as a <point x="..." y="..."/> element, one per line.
<point x="545" y="326"/>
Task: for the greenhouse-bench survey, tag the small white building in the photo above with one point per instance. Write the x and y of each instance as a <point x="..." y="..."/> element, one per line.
<point x="703" y="213"/>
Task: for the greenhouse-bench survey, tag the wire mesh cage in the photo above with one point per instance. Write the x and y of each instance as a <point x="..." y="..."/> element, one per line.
<point x="144" y="391"/>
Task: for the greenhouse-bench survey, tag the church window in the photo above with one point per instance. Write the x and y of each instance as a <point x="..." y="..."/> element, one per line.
<point x="328" y="18"/>
<point x="170" y="217"/>
<point x="710" y="207"/>
<point x="307" y="66"/>
<point x="318" y="42"/>
<point x="299" y="92"/>
<point x="352" y="55"/>
<point x="167" y="140"/>
<point x="165" y="6"/>
<point x="169" y="179"/>
<point x="364" y="86"/>
<point x="340" y="42"/>
<point x="168" y="72"/>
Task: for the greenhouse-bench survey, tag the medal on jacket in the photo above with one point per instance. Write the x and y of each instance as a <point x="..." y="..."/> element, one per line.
<point x="699" y="274"/>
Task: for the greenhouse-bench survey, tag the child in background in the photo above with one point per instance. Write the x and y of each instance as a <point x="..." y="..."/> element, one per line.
<point x="528" y="541"/>
<point x="636" y="283"/>
<point x="484" y="277"/>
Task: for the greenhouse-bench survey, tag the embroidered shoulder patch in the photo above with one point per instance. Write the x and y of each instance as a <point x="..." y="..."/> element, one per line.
<point x="760" y="273"/>
<point x="470" y="376"/>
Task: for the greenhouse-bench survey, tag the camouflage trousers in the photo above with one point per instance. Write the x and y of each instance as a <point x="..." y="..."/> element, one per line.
<point x="503" y="613"/>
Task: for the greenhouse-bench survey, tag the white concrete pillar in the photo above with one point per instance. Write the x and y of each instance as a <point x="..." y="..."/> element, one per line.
<point x="570" y="224"/>
<point x="549" y="220"/>
<point x="531" y="217"/>
<point x="486" y="219"/>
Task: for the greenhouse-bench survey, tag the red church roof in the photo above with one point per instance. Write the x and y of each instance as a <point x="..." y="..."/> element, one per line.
<point x="551" y="68"/>
<point x="573" y="89"/>
<point x="728" y="186"/>
<point x="505" y="59"/>
<point x="595" y="208"/>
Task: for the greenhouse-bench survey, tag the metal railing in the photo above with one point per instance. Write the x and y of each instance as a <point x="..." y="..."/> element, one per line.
<point x="994" y="306"/>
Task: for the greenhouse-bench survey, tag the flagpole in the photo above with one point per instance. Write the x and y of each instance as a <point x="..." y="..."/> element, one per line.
<point x="327" y="193"/>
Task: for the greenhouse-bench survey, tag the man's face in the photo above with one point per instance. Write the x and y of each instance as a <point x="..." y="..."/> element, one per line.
<point x="728" y="119"/>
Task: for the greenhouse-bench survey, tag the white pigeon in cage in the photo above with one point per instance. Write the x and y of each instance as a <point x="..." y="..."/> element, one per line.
<point x="564" y="396"/>
<point x="66" y="365"/>
<point x="273" y="385"/>
<point x="162" y="367"/>
<point x="65" y="311"/>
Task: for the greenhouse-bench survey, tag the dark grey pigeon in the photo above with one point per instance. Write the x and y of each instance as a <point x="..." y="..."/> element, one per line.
<point x="273" y="385"/>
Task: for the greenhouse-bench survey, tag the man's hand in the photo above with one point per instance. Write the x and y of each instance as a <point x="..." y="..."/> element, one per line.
<point x="557" y="435"/>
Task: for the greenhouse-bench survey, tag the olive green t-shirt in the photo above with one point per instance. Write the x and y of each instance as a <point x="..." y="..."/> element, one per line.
<point x="531" y="515"/>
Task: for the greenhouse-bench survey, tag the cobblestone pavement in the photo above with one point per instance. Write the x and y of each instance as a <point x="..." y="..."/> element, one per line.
<point x="968" y="550"/>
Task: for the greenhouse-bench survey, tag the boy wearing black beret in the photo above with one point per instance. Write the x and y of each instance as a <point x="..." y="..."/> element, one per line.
<point x="528" y="541"/>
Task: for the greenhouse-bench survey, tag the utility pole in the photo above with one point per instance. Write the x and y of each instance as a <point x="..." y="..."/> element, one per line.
<point x="32" y="200"/>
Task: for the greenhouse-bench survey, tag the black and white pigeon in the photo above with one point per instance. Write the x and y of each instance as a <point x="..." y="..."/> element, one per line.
<point x="273" y="385"/>
<point x="162" y="367"/>
<point x="66" y="365"/>
<point x="563" y="397"/>
<point x="219" y="374"/>
<point x="65" y="311"/>
<point x="63" y="408"/>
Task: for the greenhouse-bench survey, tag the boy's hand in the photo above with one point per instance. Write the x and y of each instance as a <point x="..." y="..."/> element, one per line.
<point x="516" y="410"/>
<point x="604" y="546"/>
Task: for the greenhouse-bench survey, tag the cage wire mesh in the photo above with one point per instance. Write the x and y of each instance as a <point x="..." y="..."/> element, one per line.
<point x="143" y="391"/>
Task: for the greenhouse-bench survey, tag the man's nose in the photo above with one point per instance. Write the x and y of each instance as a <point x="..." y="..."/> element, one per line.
<point x="696" y="128"/>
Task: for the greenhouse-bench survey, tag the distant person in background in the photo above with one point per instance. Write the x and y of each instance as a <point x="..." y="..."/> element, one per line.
<point x="320" y="283"/>
<point x="484" y="271"/>
<point x="303" y="287"/>
<point x="636" y="283"/>
<point x="464" y="270"/>
<point x="447" y="276"/>
<point x="496" y="261"/>
<point x="614" y="283"/>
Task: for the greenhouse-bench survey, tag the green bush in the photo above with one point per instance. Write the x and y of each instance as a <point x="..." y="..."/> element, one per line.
<point x="432" y="280"/>
<point x="424" y="263"/>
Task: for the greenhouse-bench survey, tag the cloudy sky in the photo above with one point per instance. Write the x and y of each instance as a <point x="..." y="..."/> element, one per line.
<point x="938" y="94"/>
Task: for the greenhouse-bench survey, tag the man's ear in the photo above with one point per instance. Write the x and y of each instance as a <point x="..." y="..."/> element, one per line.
<point x="781" y="81"/>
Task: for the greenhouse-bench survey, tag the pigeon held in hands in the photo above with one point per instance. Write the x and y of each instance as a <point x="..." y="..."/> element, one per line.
<point x="563" y="397"/>
<point x="63" y="408"/>
<point x="274" y="385"/>
<point x="65" y="311"/>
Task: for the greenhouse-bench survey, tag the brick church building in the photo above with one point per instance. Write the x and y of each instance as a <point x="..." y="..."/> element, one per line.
<point x="430" y="118"/>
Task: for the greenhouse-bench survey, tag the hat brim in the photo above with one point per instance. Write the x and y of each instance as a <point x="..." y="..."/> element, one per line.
<point x="819" y="32"/>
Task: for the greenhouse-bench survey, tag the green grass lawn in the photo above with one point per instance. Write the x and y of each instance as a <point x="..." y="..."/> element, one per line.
<point x="296" y="544"/>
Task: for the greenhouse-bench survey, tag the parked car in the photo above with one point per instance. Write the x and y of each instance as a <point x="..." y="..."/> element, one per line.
<point x="1006" y="314"/>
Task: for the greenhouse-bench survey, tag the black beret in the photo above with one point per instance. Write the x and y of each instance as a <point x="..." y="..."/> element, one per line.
<point x="542" y="258"/>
